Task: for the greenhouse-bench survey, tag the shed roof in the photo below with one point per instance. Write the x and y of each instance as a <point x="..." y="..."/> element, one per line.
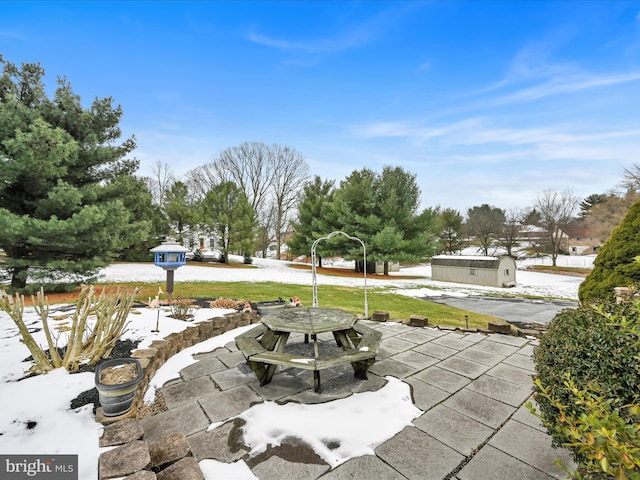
<point x="467" y="261"/>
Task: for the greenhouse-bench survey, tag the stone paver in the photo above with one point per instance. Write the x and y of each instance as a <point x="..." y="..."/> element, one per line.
<point x="512" y="374"/>
<point x="419" y="336"/>
<point x="480" y="407"/>
<point x="418" y="456"/>
<point x="188" y="419"/>
<point x="464" y="367"/>
<point x="523" y="415"/>
<point x="398" y="327"/>
<point x="434" y="350"/>
<point x="496" y="347"/>
<point x="391" y="367"/>
<point x="521" y="361"/>
<point x="526" y="350"/>
<point x="507" y="392"/>
<point x="508" y="340"/>
<point x="221" y="405"/>
<point x="392" y="346"/>
<point x="223" y="443"/>
<point x="365" y="467"/>
<point x="480" y="356"/>
<point x="204" y="366"/>
<point x="276" y="468"/>
<point x="232" y="359"/>
<point x="491" y="463"/>
<point x="453" y="340"/>
<point x="531" y="447"/>
<point x="414" y="359"/>
<point x="442" y="379"/>
<point x="232" y="377"/>
<point x="425" y="396"/>
<point x="285" y="385"/>
<point x="458" y="431"/>
<point x="214" y="353"/>
<point x="189" y="391"/>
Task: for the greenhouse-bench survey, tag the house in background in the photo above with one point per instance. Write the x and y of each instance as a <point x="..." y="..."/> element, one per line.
<point x="475" y="270"/>
<point x="583" y="239"/>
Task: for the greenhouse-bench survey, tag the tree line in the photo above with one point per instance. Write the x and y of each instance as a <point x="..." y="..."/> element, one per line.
<point x="71" y="200"/>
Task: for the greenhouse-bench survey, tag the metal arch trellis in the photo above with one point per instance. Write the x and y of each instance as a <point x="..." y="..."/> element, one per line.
<point x="313" y="268"/>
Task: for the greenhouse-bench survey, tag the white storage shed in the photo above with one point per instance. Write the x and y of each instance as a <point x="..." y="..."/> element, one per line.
<point x="475" y="270"/>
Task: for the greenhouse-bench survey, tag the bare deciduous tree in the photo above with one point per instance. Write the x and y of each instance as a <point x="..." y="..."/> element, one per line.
<point x="512" y="229"/>
<point x="290" y="173"/>
<point x="556" y="211"/>
<point x="484" y="223"/>
<point x="161" y="181"/>
<point x="270" y="177"/>
<point x="631" y="179"/>
<point x="250" y="165"/>
<point x="201" y="180"/>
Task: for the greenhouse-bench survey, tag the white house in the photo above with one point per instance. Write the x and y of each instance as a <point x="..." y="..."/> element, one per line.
<point x="473" y="269"/>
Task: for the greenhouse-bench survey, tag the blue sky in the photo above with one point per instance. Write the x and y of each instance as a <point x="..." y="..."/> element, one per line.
<point x="486" y="102"/>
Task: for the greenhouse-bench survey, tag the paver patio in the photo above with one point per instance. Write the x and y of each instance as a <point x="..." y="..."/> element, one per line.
<point x="470" y="387"/>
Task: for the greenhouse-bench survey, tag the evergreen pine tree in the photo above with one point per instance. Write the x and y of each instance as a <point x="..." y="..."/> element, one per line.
<point x="62" y="169"/>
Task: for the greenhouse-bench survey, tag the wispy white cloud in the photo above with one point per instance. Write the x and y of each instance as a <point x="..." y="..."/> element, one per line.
<point x="572" y="84"/>
<point x="532" y="75"/>
<point x="478" y="130"/>
<point x="306" y="46"/>
<point x="409" y="130"/>
<point x="424" y="66"/>
<point x="12" y="34"/>
<point x="352" y="36"/>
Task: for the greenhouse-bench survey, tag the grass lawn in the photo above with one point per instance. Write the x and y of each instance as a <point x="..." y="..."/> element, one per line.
<point x="351" y="299"/>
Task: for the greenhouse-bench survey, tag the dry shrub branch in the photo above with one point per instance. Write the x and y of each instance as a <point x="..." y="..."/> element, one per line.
<point x="97" y="322"/>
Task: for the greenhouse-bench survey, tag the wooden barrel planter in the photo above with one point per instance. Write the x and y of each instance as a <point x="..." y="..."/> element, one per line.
<point x="117" y="398"/>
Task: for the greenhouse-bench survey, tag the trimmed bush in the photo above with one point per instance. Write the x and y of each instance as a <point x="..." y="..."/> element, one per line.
<point x="588" y="388"/>
<point x="615" y="265"/>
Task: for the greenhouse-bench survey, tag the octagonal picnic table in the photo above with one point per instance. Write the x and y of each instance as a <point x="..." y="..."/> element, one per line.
<point x="263" y="346"/>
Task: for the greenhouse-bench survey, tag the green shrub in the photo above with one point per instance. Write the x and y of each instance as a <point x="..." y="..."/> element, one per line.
<point x="615" y="265"/>
<point x="604" y="438"/>
<point x="588" y="388"/>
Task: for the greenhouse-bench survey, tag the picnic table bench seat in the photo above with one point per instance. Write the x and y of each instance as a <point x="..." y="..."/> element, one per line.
<point x="265" y="354"/>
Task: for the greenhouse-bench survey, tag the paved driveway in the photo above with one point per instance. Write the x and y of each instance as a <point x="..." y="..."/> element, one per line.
<point x="513" y="310"/>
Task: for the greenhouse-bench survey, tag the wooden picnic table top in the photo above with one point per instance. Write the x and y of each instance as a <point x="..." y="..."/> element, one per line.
<point x="310" y="320"/>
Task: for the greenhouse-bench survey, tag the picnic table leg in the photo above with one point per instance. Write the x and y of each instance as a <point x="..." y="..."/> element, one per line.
<point x="342" y="340"/>
<point x="270" y="369"/>
<point x="316" y="373"/>
<point x="360" y="370"/>
<point x="259" y="369"/>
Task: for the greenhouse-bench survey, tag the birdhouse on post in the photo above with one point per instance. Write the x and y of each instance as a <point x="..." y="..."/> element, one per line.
<point x="169" y="255"/>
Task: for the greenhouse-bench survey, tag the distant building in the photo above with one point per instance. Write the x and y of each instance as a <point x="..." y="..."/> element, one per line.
<point x="583" y="238"/>
<point x="475" y="270"/>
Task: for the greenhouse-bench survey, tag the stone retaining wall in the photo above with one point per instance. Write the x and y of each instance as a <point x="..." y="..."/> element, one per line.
<point x="153" y="357"/>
